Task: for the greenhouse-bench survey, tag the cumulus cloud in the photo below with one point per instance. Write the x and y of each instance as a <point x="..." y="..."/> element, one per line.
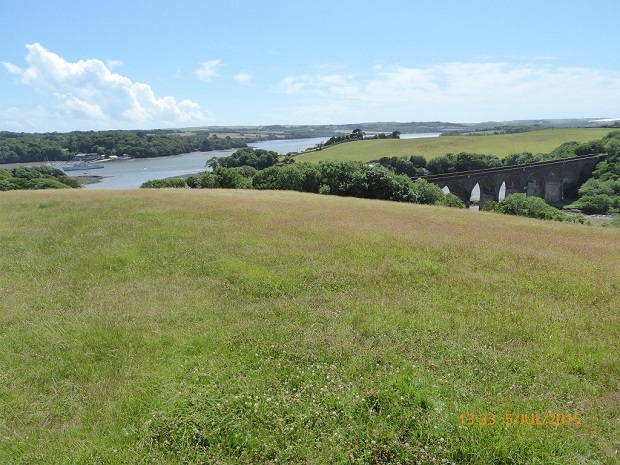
<point x="208" y="70"/>
<point x="88" y="90"/>
<point x="462" y="92"/>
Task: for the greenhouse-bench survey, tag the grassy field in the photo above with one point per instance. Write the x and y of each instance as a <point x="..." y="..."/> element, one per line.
<point x="501" y="145"/>
<point x="208" y="326"/>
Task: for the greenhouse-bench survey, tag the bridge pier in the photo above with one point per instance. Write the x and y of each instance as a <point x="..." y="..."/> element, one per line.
<point x="535" y="186"/>
<point x="553" y="187"/>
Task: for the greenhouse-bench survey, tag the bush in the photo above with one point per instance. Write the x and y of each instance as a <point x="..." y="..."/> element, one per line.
<point x="247" y="171"/>
<point x="452" y="201"/>
<point x="426" y="193"/>
<point x="594" y="204"/>
<point x="595" y="187"/>
<point x="164" y="183"/>
<point x="207" y="181"/>
<point x="492" y="206"/>
<point x="192" y="182"/>
<point x="531" y="207"/>
<point x="230" y="178"/>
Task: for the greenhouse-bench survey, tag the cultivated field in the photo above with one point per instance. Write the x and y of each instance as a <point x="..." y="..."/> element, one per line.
<point x="212" y="326"/>
<point x="501" y="145"/>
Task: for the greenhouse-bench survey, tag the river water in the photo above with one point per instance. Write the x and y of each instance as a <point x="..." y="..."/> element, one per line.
<point x="130" y="174"/>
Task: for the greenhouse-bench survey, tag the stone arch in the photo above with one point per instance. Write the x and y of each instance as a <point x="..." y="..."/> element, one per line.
<point x="571" y="174"/>
<point x="535" y="185"/>
<point x="570" y="183"/>
<point x="457" y="189"/>
<point x="512" y="185"/>
<point x="553" y="187"/>
<point x="488" y="191"/>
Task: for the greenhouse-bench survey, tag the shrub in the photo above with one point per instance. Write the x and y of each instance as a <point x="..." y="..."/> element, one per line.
<point x="492" y="206"/>
<point x="452" y="201"/>
<point x="193" y="182"/>
<point x="207" y="181"/>
<point x="531" y="207"/>
<point x="592" y="204"/>
<point x="164" y="183"/>
<point x="230" y="178"/>
<point x="426" y="193"/>
<point x="247" y="171"/>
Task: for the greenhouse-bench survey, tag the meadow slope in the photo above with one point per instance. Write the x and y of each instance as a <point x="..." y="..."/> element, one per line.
<point x="432" y="147"/>
<point x="222" y="326"/>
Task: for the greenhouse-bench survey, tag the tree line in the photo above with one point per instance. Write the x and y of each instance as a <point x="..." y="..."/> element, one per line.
<point x="417" y="165"/>
<point x="349" y="178"/>
<point x="27" y="148"/>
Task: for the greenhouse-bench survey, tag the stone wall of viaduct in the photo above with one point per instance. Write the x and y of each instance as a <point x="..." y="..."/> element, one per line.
<point x="543" y="179"/>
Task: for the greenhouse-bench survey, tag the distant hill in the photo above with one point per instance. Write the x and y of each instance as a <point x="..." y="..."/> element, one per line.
<point x="327" y="130"/>
<point x="543" y="141"/>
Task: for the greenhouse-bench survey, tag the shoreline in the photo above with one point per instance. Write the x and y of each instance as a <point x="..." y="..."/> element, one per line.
<point x="89" y="179"/>
<point x="93" y="179"/>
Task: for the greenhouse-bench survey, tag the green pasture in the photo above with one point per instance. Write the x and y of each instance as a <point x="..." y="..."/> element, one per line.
<point x="431" y="147"/>
<point x="224" y="327"/>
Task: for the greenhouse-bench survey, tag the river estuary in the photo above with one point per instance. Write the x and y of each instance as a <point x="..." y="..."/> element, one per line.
<point x="130" y="174"/>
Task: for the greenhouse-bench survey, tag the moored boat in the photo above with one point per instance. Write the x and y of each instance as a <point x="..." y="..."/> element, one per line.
<point x="79" y="166"/>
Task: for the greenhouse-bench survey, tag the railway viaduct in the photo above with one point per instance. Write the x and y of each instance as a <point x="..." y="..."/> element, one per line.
<point x="542" y="179"/>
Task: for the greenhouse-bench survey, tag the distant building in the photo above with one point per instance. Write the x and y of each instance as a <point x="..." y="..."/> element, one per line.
<point x="87" y="157"/>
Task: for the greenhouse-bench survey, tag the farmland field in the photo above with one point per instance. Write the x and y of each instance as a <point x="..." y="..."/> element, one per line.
<point x="223" y="326"/>
<point x="501" y="145"/>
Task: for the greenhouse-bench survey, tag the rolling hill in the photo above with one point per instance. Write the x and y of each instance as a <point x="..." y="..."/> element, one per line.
<point x="543" y="141"/>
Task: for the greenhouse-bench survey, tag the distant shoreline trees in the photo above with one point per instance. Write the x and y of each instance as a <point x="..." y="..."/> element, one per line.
<point x="28" y="148"/>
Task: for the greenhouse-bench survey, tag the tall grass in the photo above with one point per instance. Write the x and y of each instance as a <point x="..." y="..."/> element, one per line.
<point x="224" y="326"/>
<point x="431" y="147"/>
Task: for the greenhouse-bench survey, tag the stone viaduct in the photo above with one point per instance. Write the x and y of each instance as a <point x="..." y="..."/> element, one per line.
<point x="542" y="179"/>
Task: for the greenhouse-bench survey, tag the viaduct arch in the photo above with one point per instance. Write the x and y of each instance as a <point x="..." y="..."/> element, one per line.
<point x="543" y="179"/>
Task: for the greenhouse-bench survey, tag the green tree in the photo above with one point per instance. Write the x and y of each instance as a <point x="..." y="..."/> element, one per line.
<point x="229" y="178"/>
<point x="357" y="134"/>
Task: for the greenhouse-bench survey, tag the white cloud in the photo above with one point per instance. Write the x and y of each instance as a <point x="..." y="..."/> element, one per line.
<point x="293" y="85"/>
<point x="243" y="78"/>
<point x="467" y="92"/>
<point x="88" y="90"/>
<point x="114" y="64"/>
<point x="11" y="68"/>
<point x="208" y="70"/>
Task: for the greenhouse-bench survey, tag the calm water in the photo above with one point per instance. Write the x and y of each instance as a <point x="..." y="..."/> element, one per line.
<point x="130" y="174"/>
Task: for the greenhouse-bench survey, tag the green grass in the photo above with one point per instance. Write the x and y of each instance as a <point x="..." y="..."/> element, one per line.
<point x="212" y="326"/>
<point x="431" y="147"/>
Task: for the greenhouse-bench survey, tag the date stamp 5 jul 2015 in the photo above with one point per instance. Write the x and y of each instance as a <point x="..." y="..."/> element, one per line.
<point x="521" y="419"/>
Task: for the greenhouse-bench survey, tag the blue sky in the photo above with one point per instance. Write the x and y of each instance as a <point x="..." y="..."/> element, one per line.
<point x="74" y="65"/>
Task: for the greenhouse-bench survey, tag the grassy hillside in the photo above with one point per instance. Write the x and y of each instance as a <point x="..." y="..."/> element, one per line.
<point x="501" y="145"/>
<point x="182" y="326"/>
